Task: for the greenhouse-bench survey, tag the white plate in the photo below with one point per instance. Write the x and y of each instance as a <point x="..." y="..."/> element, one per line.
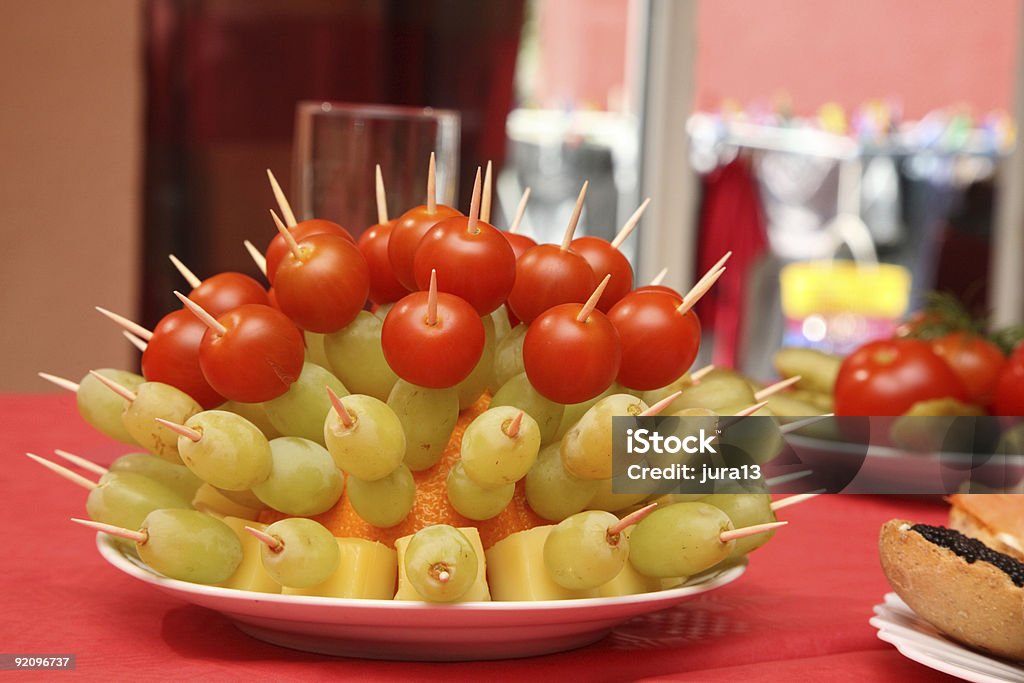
<point x="918" y="640"/>
<point x="383" y="629"/>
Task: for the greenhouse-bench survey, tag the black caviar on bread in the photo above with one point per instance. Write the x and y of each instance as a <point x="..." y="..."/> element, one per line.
<point x="959" y="585"/>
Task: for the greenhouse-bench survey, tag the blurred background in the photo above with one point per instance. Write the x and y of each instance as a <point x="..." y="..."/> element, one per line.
<point x="788" y="131"/>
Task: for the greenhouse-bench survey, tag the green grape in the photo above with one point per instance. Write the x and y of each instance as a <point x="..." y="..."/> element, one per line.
<point x="474" y="501"/>
<point x="679" y="540"/>
<point x="307" y="553"/>
<point x="502" y="325"/>
<point x="491" y="454"/>
<point x="231" y="453"/>
<point x="178" y="478"/>
<point x="153" y="400"/>
<point x="717" y="390"/>
<point x="552" y="492"/>
<point x="606" y="499"/>
<point x="587" y="447"/>
<point x="386" y="501"/>
<point x="508" y="357"/>
<point x="373" y="446"/>
<point x="520" y="393"/>
<point x="101" y="407"/>
<point x="574" y="411"/>
<point x="482" y="376"/>
<point x="255" y="413"/>
<point x="440" y="563"/>
<point x="190" y="546"/>
<point x="357" y="358"/>
<point x="303" y="478"/>
<point x="244" y="498"/>
<point x="315" y="349"/>
<point x="581" y="552"/>
<point x="302" y="409"/>
<point x="381" y="311"/>
<point x="745" y="509"/>
<point x="125" y="498"/>
<point x="759" y="438"/>
<point x="428" y="417"/>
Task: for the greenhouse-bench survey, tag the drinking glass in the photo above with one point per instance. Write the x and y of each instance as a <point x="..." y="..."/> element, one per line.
<point x="337" y="146"/>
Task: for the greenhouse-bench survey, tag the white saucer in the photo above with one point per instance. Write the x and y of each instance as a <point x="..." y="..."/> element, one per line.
<point x="918" y="640"/>
<point x="384" y="629"/>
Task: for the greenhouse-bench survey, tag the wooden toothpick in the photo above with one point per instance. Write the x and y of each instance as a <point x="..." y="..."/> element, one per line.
<point x="193" y="435"/>
<point x="289" y="238"/>
<point x="699" y="290"/>
<point x="474" y="206"/>
<point x="73" y="477"/>
<point x="659" y="278"/>
<point x="513" y="427"/>
<point x="274" y="543"/>
<point x="201" y="313"/>
<point x="773" y="389"/>
<point x="139" y="537"/>
<point x="432" y="185"/>
<point x="133" y="327"/>
<point x="59" y="381"/>
<point x="735" y="534"/>
<point x="81" y="462"/>
<point x="186" y="273"/>
<point x="630" y="225"/>
<point x="750" y="410"/>
<point x="806" y="422"/>
<point x="122" y="391"/>
<point x="575" y="218"/>
<point x="485" y="200"/>
<point x="135" y="341"/>
<point x="697" y="375"/>
<point x="282" y="201"/>
<point x="382" y="200"/>
<point x="792" y="500"/>
<point x="432" y="298"/>
<point x="340" y="409"/>
<point x="520" y="212"/>
<point x="661" y="405"/>
<point x="631" y="519"/>
<point x="257" y="256"/>
<point x="591" y="304"/>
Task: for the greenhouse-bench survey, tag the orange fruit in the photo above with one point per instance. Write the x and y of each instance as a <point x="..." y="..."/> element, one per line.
<point x="431" y="504"/>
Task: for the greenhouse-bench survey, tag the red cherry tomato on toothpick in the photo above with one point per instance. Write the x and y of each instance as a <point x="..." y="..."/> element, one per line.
<point x="471" y="259"/>
<point x="323" y="283"/>
<point x="220" y="293"/>
<point x="659" y="342"/>
<point x="887" y="377"/>
<point x="572" y="352"/>
<point x="410" y="229"/>
<point x="277" y="250"/>
<point x="606" y="259"/>
<point x="432" y="339"/>
<point x="251" y="354"/>
<point x="548" y="275"/>
<point x="384" y="286"/>
<point x="172" y="357"/>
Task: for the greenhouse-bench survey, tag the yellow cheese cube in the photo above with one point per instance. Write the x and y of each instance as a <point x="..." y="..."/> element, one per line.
<point x="367" y="570"/>
<point x="516" y="569"/>
<point x="477" y="592"/>
<point x="250" y="575"/>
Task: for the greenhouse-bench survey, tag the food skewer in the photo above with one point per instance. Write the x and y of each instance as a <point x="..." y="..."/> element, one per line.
<point x="575" y="218"/>
<point x="59" y="381"/>
<point x="134" y="341"/>
<point x="272" y="542"/>
<point x="137" y="536"/>
<point x="699" y="290"/>
<point x="806" y="422"/>
<point x="193" y="435"/>
<point x="786" y="478"/>
<point x="282" y="201"/>
<point x="120" y="390"/>
<point x="257" y="256"/>
<point x="382" y="200"/>
<point x="591" y="303"/>
<point x="792" y="500"/>
<point x="60" y="470"/>
<point x="659" y="278"/>
<point x="631" y="519"/>
<point x="520" y="212"/>
<point x="736" y="534"/>
<point x="697" y="375"/>
<point x="339" y="407"/>
<point x="630" y="224"/>
<point x="661" y="405"/>
<point x="485" y="200"/>
<point x="81" y="462"/>
<point x="777" y="387"/>
<point x="133" y="327"/>
<point x="190" y="277"/>
<point x="201" y="313"/>
<point x="289" y="238"/>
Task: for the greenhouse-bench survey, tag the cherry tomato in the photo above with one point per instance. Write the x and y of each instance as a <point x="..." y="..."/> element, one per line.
<point x="888" y="377"/>
<point x="278" y="248"/>
<point x="519" y="243"/>
<point x="547" y="276"/>
<point x="384" y="286"/>
<point x="222" y="292"/>
<point x="475" y="264"/>
<point x="257" y="358"/>
<point x="325" y="288"/>
<point x="604" y="259"/>
<point x="410" y="227"/>
<point x="568" y="361"/>
<point x="976" y="361"/>
<point x="172" y="357"/>
<point x="1008" y="398"/>
<point x="436" y="355"/>
<point x="659" y="343"/>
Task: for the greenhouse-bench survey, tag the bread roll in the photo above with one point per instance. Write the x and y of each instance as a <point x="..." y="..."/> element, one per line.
<point x="965" y="589"/>
<point x="995" y="519"/>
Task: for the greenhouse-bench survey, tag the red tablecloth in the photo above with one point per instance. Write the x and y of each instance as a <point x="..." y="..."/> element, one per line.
<point x="799" y="613"/>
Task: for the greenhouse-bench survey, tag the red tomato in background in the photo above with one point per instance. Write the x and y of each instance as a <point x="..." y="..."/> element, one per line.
<point x="659" y="343"/>
<point x="172" y="357"/>
<point x="1008" y="398"/>
<point x="278" y="248"/>
<point x="220" y="293"/>
<point x="604" y="259"/>
<point x="568" y="361"/>
<point x="438" y="355"/>
<point x="976" y="361"/>
<point x="887" y="377"/>
<point x="384" y="286"/>
<point x="324" y="289"/>
<point x="477" y="265"/>
<point x="405" y="238"/>
<point x="257" y="358"/>
<point x="519" y="243"/>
